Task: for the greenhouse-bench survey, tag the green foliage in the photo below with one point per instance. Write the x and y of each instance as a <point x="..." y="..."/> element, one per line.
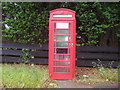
<point x="95" y="19"/>
<point x="28" y="22"/>
<point x="97" y="75"/>
<point x="53" y="84"/>
<point x="26" y="57"/>
<point x="108" y="74"/>
<point x="24" y="76"/>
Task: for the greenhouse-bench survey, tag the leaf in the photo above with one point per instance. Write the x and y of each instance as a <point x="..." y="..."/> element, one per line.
<point x="53" y="85"/>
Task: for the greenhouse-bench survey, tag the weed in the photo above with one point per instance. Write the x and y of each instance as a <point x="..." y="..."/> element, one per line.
<point x="106" y="73"/>
<point x="53" y="85"/>
<point x="26" y="57"/>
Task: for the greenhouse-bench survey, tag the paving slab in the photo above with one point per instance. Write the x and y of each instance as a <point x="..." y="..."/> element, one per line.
<point x="70" y="84"/>
<point x="107" y="86"/>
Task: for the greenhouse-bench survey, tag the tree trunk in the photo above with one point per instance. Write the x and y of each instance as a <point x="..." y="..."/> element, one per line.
<point x="109" y="39"/>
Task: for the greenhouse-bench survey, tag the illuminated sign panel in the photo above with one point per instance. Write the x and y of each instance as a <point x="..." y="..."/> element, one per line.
<point x="62" y="15"/>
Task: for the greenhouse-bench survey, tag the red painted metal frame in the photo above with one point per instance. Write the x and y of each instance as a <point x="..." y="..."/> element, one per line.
<point x="72" y="22"/>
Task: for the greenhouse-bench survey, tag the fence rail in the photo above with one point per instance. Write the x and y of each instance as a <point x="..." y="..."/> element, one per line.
<point x="86" y="55"/>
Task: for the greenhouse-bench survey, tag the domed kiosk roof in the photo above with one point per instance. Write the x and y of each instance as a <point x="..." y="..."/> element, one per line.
<point x="62" y="9"/>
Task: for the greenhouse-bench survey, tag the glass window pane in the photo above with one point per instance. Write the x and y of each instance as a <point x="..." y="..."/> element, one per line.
<point x="61" y="44"/>
<point x="61" y="63"/>
<point x="61" y="51"/>
<point x="59" y="69"/>
<point x="62" y="57"/>
<point x="61" y="38"/>
<point x="61" y="31"/>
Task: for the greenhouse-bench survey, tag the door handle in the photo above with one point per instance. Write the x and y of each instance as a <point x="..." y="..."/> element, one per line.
<point x="72" y="44"/>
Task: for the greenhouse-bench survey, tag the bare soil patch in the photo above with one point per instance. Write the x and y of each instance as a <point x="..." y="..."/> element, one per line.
<point x="92" y="76"/>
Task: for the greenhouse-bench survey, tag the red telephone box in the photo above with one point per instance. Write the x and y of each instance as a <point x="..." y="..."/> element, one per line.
<point x="62" y="43"/>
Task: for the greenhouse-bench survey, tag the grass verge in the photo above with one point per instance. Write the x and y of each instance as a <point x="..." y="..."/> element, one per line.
<point x="24" y="76"/>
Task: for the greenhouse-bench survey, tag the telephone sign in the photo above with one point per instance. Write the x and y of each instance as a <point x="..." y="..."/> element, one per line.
<point x="64" y="15"/>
